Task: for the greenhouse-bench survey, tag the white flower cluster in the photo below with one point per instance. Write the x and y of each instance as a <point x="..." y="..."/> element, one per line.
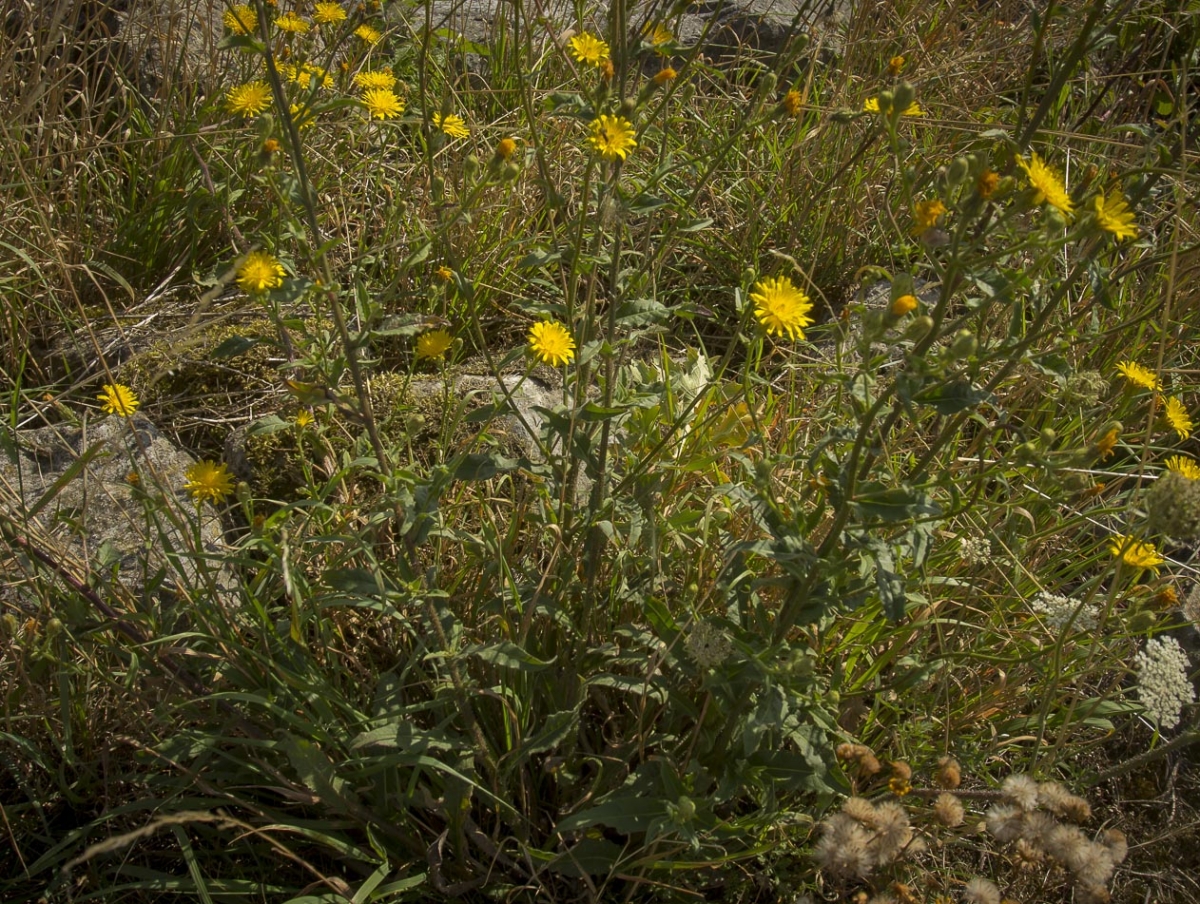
<point x="1057" y="610"/>
<point x="975" y="550"/>
<point x="707" y="645"/>
<point x="1163" y="684"/>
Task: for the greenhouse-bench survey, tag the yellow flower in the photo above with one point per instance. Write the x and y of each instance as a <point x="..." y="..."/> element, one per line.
<point x="505" y="148"/>
<point x="444" y="273"/>
<point x="118" y="399"/>
<point x="369" y="34"/>
<point x="587" y="48"/>
<point x="612" y="136"/>
<point x="926" y="214"/>
<point x="208" y="480"/>
<point x="987" y="183"/>
<point x="792" y="101"/>
<point x="249" y="99"/>
<point x="895" y="64"/>
<point x="781" y="307"/>
<point x="1105" y="444"/>
<point x="260" y="272"/>
<point x="433" y="344"/>
<point x="382" y="103"/>
<point x="304" y="418"/>
<point x="1178" y="417"/>
<point x="292" y="24"/>
<point x="871" y="105"/>
<point x="304" y="117"/>
<point x="375" y="79"/>
<point x="270" y="146"/>
<point x="1113" y="215"/>
<point x="657" y="34"/>
<point x="329" y="14"/>
<point x="306" y="74"/>
<point x="1135" y="552"/>
<point x="551" y="342"/>
<point x="1184" y="466"/>
<point x="1141" y="376"/>
<point x="664" y="75"/>
<point x="905" y="304"/>
<point x="452" y="124"/>
<point x="1046" y="183"/>
<point x="241" y="19"/>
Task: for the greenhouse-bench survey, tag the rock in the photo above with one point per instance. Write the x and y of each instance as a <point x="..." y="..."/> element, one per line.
<point x="106" y="529"/>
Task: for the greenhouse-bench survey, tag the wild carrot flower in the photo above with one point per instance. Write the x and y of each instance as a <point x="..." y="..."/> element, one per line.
<point x="1113" y="215"/>
<point x="551" y="342"/>
<point x="208" y="480"/>
<point x="1177" y="416"/>
<point x="433" y="344"/>
<point x="327" y="13"/>
<point x="375" y="79"/>
<point x="708" y="645"/>
<point x="260" y="272"/>
<point x="369" y="34"/>
<point x="781" y="307"/>
<point x="1134" y="552"/>
<point x="1047" y="184"/>
<point x="1057" y="611"/>
<point x="612" y="136"/>
<point x="452" y="124"/>
<point x="382" y="103"/>
<point x="1139" y="375"/>
<point x="587" y="48"/>
<point x="241" y="19"/>
<point x="291" y="23"/>
<point x="1163" y="684"/>
<point x="1184" y="466"/>
<point x="118" y="399"/>
<point x="249" y="99"/>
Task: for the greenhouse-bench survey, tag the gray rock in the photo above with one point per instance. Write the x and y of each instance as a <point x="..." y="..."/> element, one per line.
<point x="67" y="490"/>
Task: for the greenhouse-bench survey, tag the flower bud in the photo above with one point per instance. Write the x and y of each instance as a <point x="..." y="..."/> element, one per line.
<point x="1048" y="437"/>
<point x="471" y="167"/>
<point x="1055" y="219"/>
<point x="919" y="328"/>
<point x="957" y="173"/>
<point x="904" y="95"/>
<point x="964" y="345"/>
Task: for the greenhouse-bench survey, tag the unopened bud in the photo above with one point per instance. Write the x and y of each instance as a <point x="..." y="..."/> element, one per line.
<point x="964" y="345"/>
<point x="919" y="328"/>
<point x="904" y="95"/>
<point x="957" y="173"/>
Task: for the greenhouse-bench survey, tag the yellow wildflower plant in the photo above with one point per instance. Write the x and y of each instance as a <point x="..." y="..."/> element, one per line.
<point x="612" y="136"/>
<point x="896" y="65"/>
<point x="505" y="148"/>
<point x="1135" y="552"/>
<point x="1047" y="184"/>
<point x="369" y="34"/>
<point x="926" y="215"/>
<point x="118" y="399"/>
<point x="781" y="307"/>
<point x="1139" y="375"/>
<point x="1114" y="216"/>
<point x="241" y="19"/>
<point x="1178" y="417"/>
<point x="657" y="35"/>
<point x="871" y="105"/>
<point x="326" y="13"/>
<point x="260" y="272"/>
<point x="208" y="480"/>
<point x="587" y="48"/>
<point x="291" y="23"/>
<point x="304" y="418"/>
<point x="433" y="344"/>
<point x="382" y="103"/>
<point x="379" y="78"/>
<point x="249" y="99"/>
<point x="551" y="343"/>
<point x="451" y="124"/>
<point x="792" y="102"/>
<point x="1184" y="466"/>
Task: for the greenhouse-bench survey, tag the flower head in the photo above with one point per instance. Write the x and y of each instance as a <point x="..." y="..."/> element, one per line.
<point x="118" y="399"/>
<point x="792" y="102"/>
<point x="657" y="34"/>
<point x="905" y="304"/>
<point x="1163" y="684"/>
<point x="375" y="79"/>
<point x="327" y="13"/>
<point x="612" y="136"/>
<point x="871" y="105"/>
<point x="304" y="418"/>
<point x="587" y="48"/>
<point x="987" y="183"/>
<point x="291" y="23"/>
<point x="1139" y="375"/>
<point x="1134" y="552"/>
<point x="1184" y="466"/>
<point x="1178" y="417"/>
<point x="926" y="214"/>
<point x="382" y="103"/>
<point x="452" y="124"/>
<point x="781" y="307"/>
<point x="444" y="273"/>
<point x="305" y="74"/>
<point x="665" y="75"/>
<point x="433" y="344"/>
<point x="249" y="99"/>
<point x="551" y="342"/>
<point x="369" y="34"/>
<point x="1046" y="183"/>
<point x="895" y="65"/>
<point x="208" y="480"/>
<point x="1113" y="215"/>
<point x="505" y="148"/>
<point x="260" y="272"/>
<point x="241" y="19"/>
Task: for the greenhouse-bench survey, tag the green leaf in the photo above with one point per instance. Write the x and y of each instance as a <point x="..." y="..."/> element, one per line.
<point x="694" y="225"/>
<point x="556" y="728"/>
<point x="623" y="812"/>
<point x="232" y="347"/>
<point x="950" y="398"/>
<point x="893" y="504"/>
<point x="483" y="466"/>
<point x="272" y="423"/>
<point x="644" y="203"/>
<point x="403" y="735"/>
<point x="508" y="655"/>
<point x="593" y="856"/>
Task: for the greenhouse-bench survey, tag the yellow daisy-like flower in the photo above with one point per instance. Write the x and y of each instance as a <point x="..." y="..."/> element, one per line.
<point x="305" y="75"/>
<point x="612" y="136"/>
<point x="452" y="124"/>
<point x="1140" y="376"/>
<point x="118" y="399"/>
<point x="587" y="48"/>
<point x="328" y="14"/>
<point x="1048" y="186"/>
<point x="249" y="99"/>
<point x="657" y="34"/>
<point x="304" y="418"/>
<point x="260" y="272"/>
<point x="304" y="117"/>
<point x="1113" y="215"/>
<point x="871" y="105"/>
<point x="1178" y="417"/>
<point x="433" y="344"/>
<point x="665" y="75"/>
<point x="792" y="102"/>
<point x="382" y="103"/>
<point x="904" y="304"/>
<point x="1134" y="552"/>
<point x="375" y="79"/>
<point x="505" y="148"/>
<point x="1185" y="466"/>
<point x="241" y="19"/>
<point x="292" y="24"/>
<point x="444" y="273"/>
<point x="926" y="214"/>
<point x="987" y="183"/>
<point x="369" y="34"/>
<point x="208" y="480"/>
<point x="1105" y="444"/>
<point x="781" y="307"/>
<point x="551" y="342"/>
<point x="895" y="65"/>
